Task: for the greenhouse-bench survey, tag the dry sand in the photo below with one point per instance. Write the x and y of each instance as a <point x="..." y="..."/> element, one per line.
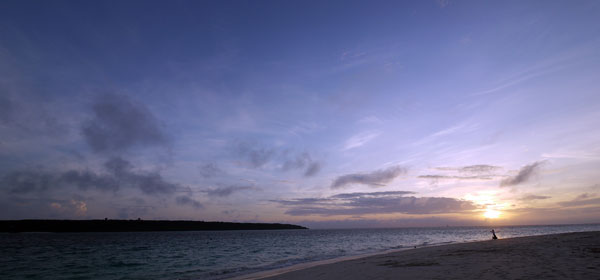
<point x="557" y="256"/>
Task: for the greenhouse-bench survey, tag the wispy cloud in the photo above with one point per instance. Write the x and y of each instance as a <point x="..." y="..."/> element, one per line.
<point x="447" y="177"/>
<point x="525" y="173"/>
<point x="371" y="194"/>
<point x="581" y="200"/>
<point x="539" y="69"/>
<point x="534" y="197"/>
<point x="461" y="127"/>
<point x="374" y="179"/>
<point x="374" y="203"/>
<point x="470" y="172"/>
<point x="224" y="191"/>
<point x="360" y="139"/>
<point x="370" y="120"/>
<point x="480" y="168"/>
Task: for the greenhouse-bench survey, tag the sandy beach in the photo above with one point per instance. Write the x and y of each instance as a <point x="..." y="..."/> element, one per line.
<point x="558" y="256"/>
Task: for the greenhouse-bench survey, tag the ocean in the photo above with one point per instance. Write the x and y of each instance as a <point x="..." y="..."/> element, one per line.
<point x="217" y="254"/>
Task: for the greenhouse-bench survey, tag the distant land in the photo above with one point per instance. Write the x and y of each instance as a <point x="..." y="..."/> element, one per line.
<point x="130" y="225"/>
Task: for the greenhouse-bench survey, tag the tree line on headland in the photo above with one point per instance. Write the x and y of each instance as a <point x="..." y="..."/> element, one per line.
<point x="107" y="225"/>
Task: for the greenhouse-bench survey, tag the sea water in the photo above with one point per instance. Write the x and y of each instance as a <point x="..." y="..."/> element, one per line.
<point x="217" y="254"/>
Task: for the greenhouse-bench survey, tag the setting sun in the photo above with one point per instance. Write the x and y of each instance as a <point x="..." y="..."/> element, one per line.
<point x="491" y="214"/>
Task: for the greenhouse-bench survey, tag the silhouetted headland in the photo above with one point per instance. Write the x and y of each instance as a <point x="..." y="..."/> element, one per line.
<point x="130" y="225"/>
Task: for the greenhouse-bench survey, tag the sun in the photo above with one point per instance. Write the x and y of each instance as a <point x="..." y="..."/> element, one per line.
<point x="491" y="214"/>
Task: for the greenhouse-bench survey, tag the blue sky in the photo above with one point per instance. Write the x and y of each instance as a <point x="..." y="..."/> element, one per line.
<point x="326" y="114"/>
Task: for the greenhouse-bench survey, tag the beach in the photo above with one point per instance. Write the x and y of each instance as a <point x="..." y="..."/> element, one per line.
<point x="556" y="256"/>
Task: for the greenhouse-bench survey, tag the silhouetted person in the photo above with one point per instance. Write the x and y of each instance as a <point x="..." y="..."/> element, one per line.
<point x="494" y="237"/>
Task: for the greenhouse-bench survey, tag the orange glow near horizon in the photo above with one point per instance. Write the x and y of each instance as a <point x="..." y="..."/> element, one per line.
<point x="492" y="214"/>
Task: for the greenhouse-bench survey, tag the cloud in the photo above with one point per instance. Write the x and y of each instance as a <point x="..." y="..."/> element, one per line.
<point x="572" y="203"/>
<point x="583" y="196"/>
<point x="375" y="203"/>
<point x="534" y="197"/>
<point x="374" y="179"/>
<point x="120" y="174"/>
<point x="25" y="181"/>
<point x="254" y="156"/>
<point x="120" y="124"/>
<point x="186" y="200"/>
<point x="371" y="194"/>
<point x="22" y="115"/>
<point x="525" y="173"/>
<point x="227" y="190"/>
<point x="76" y="207"/>
<point x="479" y="168"/>
<point x="148" y="182"/>
<point x="419" y="221"/>
<point x="302" y="161"/>
<point x="85" y="179"/>
<point x="312" y="169"/>
<point x="470" y="172"/>
<point x="441" y="177"/>
<point x="581" y="200"/>
<point x="210" y="170"/>
<point x="360" y="140"/>
<point x="472" y="169"/>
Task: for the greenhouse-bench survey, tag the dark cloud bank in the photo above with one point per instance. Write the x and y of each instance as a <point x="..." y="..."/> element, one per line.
<point x="374" y="203"/>
<point x="119" y="174"/>
<point x="374" y="179"/>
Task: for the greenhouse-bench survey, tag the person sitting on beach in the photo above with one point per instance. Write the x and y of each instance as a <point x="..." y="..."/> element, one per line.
<point x="494" y="237"/>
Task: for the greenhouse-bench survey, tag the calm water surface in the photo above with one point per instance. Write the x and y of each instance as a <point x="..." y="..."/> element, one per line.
<point x="216" y="254"/>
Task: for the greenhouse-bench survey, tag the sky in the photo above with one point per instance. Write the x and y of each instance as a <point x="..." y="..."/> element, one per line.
<point x="327" y="114"/>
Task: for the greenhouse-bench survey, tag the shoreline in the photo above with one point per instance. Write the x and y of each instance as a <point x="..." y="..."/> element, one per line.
<point x="573" y="255"/>
<point x="299" y="266"/>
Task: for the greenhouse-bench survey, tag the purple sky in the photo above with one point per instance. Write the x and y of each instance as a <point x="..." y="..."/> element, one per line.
<point x="320" y="113"/>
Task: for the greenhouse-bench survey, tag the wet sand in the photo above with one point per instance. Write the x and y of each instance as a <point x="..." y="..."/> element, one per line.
<point x="557" y="256"/>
